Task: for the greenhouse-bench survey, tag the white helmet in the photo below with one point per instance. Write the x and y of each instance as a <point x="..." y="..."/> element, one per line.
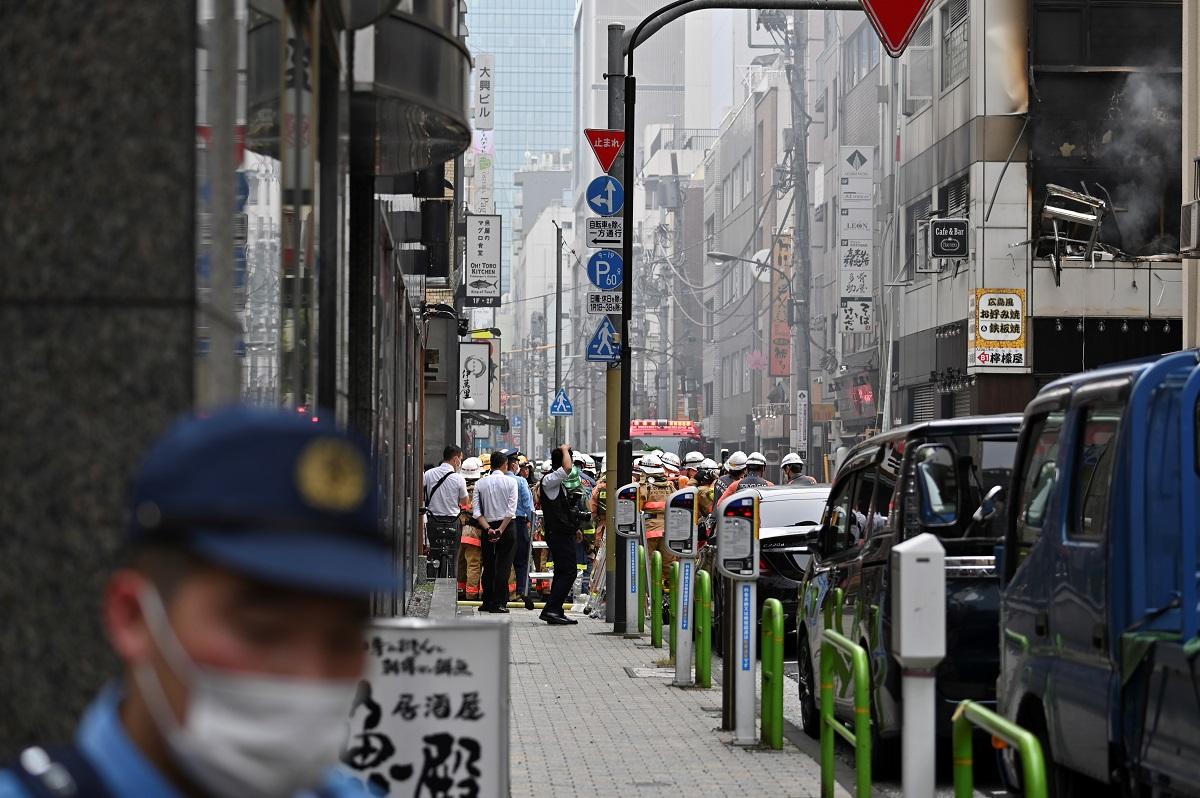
<point x="588" y="463"/>
<point x="791" y="459"/>
<point x="709" y="463"/>
<point x="736" y="461"/>
<point x="545" y="467"/>
<point x="472" y="468"/>
<point x="756" y="459"/>
<point x="692" y="459"/>
<point x="652" y="464"/>
<point x="670" y="461"/>
<point x="578" y="457"/>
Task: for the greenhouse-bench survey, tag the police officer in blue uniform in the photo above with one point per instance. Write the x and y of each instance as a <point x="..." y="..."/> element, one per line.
<point x="238" y="614"/>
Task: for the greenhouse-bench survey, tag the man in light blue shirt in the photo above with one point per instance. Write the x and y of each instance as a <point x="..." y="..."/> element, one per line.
<point x="238" y="615"/>
<point x="524" y="522"/>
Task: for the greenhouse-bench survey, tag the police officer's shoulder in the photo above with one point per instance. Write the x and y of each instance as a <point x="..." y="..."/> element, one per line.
<point x="10" y="787"/>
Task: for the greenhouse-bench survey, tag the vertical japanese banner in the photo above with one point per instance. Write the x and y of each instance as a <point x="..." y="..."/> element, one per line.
<point x="855" y="233"/>
<point x="431" y="715"/>
<point x="997" y="334"/>
<point x="475" y="361"/>
<point x="781" y="331"/>
<point x="485" y="92"/>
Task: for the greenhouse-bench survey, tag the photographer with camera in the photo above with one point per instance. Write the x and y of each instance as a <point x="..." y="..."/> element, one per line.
<point x="560" y="490"/>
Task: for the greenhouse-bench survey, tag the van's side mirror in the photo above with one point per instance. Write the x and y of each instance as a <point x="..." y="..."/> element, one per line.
<point x="989" y="506"/>
<point x="937" y="485"/>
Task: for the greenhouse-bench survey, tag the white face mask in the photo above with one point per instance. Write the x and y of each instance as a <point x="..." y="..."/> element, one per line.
<point x="245" y="736"/>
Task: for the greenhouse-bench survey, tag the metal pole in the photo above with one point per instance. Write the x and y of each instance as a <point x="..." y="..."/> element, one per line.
<point x="558" y="252"/>
<point x="801" y="256"/>
<point x="920" y="700"/>
<point x="616" y="556"/>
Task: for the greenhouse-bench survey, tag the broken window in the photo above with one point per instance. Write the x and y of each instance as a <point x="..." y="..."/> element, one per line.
<point x="918" y="83"/>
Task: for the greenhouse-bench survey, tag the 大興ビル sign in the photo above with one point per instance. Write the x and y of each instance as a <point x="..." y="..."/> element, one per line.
<point x="481" y="277"/>
<point x="431" y="714"/>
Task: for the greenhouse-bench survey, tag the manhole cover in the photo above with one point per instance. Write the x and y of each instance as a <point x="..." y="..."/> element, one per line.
<point x="650" y="673"/>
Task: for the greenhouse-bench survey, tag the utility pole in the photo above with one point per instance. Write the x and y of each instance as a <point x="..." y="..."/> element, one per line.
<point x="801" y="256"/>
<point x="616" y="569"/>
<point x="558" y="437"/>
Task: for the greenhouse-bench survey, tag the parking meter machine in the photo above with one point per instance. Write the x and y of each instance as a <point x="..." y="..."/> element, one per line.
<point x="737" y="559"/>
<point x="682" y="541"/>
<point x="630" y="534"/>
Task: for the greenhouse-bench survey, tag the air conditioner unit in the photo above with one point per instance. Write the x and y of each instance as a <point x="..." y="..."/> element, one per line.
<point x="1189" y="230"/>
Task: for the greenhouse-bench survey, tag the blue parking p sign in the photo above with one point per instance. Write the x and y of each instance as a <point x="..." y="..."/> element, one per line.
<point x="606" y="270"/>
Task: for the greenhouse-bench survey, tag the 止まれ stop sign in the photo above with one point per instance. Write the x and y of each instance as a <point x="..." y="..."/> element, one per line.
<point x="896" y="21"/>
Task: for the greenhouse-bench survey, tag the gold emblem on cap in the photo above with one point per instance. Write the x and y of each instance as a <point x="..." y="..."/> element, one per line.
<point x="331" y="475"/>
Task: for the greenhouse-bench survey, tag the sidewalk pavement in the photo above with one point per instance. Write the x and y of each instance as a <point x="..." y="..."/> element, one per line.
<point x="583" y="725"/>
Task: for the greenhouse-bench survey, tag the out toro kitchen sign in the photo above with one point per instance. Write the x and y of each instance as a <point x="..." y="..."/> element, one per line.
<point x="998" y="339"/>
<point x="482" y="274"/>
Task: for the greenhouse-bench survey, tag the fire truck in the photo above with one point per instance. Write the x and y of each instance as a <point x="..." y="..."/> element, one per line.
<point x="678" y="437"/>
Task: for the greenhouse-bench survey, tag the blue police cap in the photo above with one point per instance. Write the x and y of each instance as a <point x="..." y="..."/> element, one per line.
<point x="270" y="494"/>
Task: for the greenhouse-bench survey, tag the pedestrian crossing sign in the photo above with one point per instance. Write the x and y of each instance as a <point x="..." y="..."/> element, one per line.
<point x="561" y="406"/>
<point x="603" y="348"/>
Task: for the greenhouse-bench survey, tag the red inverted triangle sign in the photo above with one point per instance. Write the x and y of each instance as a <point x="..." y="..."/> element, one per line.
<point x="896" y="21"/>
<point x="606" y="144"/>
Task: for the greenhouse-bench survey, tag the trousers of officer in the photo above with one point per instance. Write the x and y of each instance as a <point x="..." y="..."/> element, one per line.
<point x="497" y="561"/>
<point x="443" y="533"/>
<point x="522" y="544"/>
<point x="562" y="551"/>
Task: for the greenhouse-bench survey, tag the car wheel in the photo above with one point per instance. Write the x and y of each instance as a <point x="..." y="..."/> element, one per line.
<point x="810" y="710"/>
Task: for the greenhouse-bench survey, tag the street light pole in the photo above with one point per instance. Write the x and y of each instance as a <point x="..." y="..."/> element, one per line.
<point x="558" y="252"/>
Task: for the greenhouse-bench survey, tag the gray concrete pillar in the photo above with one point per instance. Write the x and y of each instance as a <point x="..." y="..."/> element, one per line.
<point x="97" y="290"/>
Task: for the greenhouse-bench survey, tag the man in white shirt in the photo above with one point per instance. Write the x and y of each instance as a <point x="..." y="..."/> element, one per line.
<point x="445" y="497"/>
<point x="495" y="507"/>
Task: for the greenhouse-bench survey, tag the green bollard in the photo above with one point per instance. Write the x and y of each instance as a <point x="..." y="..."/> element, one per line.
<point x="771" y="709"/>
<point x="674" y="604"/>
<point x="703" y="628"/>
<point x="656" y="599"/>
<point x="641" y="589"/>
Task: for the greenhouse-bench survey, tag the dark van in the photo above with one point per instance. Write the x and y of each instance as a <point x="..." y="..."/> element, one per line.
<point x="943" y="477"/>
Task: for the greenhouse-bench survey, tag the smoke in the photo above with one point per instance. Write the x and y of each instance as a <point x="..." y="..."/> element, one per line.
<point x="1138" y="142"/>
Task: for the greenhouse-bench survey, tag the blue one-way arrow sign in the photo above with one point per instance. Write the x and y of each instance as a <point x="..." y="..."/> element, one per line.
<point x="605" y="196"/>
<point x="603" y="347"/>
<point x="561" y="406"/>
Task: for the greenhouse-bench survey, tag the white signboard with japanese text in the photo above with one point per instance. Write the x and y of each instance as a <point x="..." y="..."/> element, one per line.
<point x="604" y="303"/>
<point x="604" y="232"/>
<point x="855" y="276"/>
<point x="482" y="274"/>
<point x="800" y="433"/>
<point x="857" y="316"/>
<point x="485" y="92"/>
<point x="856" y="229"/>
<point x="998" y="335"/>
<point x="431" y="714"/>
<point x="474" y="373"/>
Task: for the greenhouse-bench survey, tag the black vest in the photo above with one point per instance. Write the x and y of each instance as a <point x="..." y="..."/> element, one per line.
<point x="556" y="512"/>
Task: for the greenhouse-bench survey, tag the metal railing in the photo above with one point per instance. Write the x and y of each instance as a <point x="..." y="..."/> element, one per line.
<point x="860" y="738"/>
<point x="703" y="628"/>
<point x="656" y="597"/>
<point x="641" y="598"/>
<point x="771" y="709"/>
<point x="1033" y="766"/>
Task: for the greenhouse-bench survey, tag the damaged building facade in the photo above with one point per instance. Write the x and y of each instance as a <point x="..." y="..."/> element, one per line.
<point x="1071" y="205"/>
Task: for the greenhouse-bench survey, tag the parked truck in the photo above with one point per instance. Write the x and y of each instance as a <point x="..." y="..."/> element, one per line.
<point x="1098" y="614"/>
